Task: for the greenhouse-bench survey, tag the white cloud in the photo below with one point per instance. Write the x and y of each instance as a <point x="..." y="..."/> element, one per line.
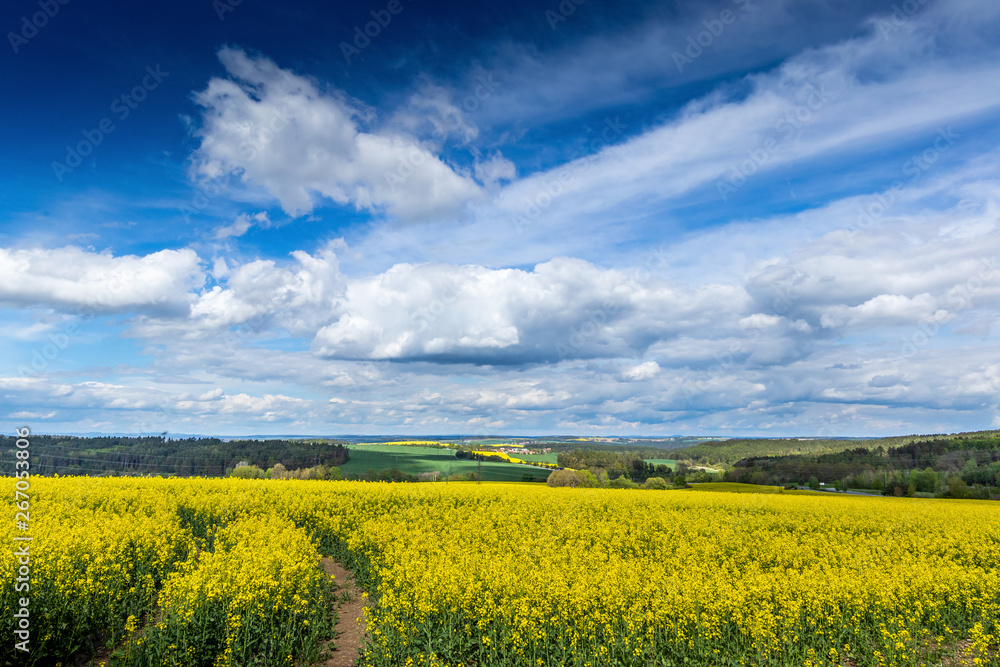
<point x="885" y="309"/>
<point x="281" y="132"/>
<point x="242" y="225"/>
<point x="565" y="308"/>
<point x="269" y="407"/>
<point x="781" y="323"/>
<point x="870" y="94"/>
<point x="299" y="299"/>
<point x="708" y="142"/>
<point x="27" y="414"/>
<point x="432" y="111"/>
<point x="561" y="342"/>
<point x="74" y="278"/>
<point x="923" y="266"/>
<point x="644" y="371"/>
<point x="759" y="321"/>
<point x="494" y="170"/>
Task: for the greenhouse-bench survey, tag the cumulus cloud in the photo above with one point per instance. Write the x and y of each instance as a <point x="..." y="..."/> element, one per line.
<point x="883" y="309"/>
<point x="928" y="266"/>
<point x="770" y="336"/>
<point x="823" y="317"/>
<point x="564" y="308"/>
<point x="281" y="132"/>
<point x="72" y="278"/>
<point x="298" y="298"/>
<point x="211" y="395"/>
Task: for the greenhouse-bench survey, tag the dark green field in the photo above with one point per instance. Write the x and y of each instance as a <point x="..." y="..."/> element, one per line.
<point x="538" y="458"/>
<point x="667" y="462"/>
<point x="414" y="460"/>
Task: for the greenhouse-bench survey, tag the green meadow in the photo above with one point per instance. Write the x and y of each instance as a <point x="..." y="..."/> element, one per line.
<point x="415" y="459"/>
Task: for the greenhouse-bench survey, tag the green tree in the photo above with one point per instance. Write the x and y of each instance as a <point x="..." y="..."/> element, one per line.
<point x="957" y="488"/>
<point x="623" y="482"/>
<point x="926" y="481"/>
<point x="814" y="483"/>
<point x="588" y="479"/>
<point x="247" y="472"/>
<point x="573" y="478"/>
<point x="657" y="483"/>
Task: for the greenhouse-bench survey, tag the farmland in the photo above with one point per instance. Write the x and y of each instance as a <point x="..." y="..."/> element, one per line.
<point x="549" y="458"/>
<point x="667" y="462"/>
<point x="733" y="487"/>
<point x="414" y="459"/>
<point x="174" y="572"/>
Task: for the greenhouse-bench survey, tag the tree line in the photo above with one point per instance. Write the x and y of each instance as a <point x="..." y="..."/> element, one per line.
<point x="628" y="465"/>
<point x="728" y="452"/>
<point x="158" y="455"/>
<point x="960" y="466"/>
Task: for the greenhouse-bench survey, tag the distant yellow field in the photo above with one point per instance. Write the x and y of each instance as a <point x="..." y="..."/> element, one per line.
<point x="224" y="572"/>
<point x="403" y="443"/>
<point x="502" y="455"/>
<point x="734" y="487"/>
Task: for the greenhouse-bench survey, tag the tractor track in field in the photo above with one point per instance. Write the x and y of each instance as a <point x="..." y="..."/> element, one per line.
<point x="349" y="635"/>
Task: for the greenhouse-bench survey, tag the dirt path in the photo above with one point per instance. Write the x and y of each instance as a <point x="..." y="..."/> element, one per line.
<point x="349" y="635"/>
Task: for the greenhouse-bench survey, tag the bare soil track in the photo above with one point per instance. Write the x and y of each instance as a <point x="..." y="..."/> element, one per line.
<point x="349" y="635"/>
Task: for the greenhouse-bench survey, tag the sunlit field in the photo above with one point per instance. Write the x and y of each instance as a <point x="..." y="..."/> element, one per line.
<point x="736" y="487"/>
<point x="225" y="572"/>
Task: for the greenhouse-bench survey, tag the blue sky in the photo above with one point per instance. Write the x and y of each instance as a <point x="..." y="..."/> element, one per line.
<point x="733" y="217"/>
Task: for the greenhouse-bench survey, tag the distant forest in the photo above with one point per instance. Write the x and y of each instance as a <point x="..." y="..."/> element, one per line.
<point x="728" y="452"/>
<point x="155" y="455"/>
<point x="957" y="466"/>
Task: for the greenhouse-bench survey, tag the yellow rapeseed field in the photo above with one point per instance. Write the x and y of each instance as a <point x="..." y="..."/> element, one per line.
<point x="503" y="455"/>
<point x="225" y="572"/>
